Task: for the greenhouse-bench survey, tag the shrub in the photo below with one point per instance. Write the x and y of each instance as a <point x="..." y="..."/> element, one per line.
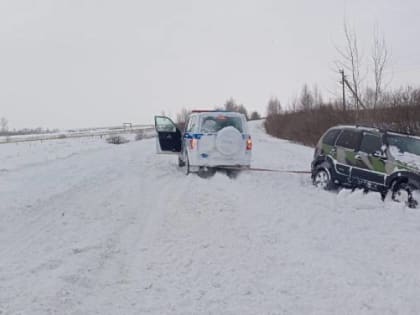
<point x="117" y="140"/>
<point x="140" y="135"/>
<point x="307" y="125"/>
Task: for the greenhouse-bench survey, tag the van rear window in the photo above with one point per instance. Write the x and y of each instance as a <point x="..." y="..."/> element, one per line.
<point x="212" y="124"/>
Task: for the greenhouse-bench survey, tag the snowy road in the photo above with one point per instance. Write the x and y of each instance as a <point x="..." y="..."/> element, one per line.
<point x="101" y="229"/>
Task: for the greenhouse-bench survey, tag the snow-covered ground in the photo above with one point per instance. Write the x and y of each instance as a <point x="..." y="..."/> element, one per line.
<point x="94" y="228"/>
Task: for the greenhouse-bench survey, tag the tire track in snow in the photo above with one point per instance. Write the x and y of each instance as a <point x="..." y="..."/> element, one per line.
<point x="135" y="241"/>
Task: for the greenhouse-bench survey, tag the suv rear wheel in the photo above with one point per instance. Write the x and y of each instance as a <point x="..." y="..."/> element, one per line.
<point x="206" y="172"/>
<point x="404" y="192"/>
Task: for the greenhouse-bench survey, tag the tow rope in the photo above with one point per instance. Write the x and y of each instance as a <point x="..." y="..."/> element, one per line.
<point x="256" y="169"/>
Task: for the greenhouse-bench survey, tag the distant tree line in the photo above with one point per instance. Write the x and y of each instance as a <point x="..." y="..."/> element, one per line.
<point x="230" y="105"/>
<point x="306" y="120"/>
<point x="6" y="131"/>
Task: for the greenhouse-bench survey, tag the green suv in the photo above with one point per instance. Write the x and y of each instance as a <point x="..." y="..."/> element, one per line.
<point x="371" y="159"/>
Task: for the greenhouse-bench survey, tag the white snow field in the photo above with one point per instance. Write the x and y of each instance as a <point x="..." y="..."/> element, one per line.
<point x="94" y="228"/>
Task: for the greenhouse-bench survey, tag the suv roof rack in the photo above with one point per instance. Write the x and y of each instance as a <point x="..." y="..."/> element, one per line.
<point x="400" y="132"/>
<point x="359" y="126"/>
<point x="366" y="126"/>
<point x="209" y="111"/>
<point x="385" y="130"/>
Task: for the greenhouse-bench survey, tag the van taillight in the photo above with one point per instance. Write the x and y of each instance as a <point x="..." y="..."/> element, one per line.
<point x="193" y="144"/>
<point x="249" y="144"/>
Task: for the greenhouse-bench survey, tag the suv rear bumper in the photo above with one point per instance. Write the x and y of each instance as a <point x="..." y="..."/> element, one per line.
<point x="197" y="160"/>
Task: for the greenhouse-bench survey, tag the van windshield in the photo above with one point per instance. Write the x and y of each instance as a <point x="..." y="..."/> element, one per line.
<point x="212" y="124"/>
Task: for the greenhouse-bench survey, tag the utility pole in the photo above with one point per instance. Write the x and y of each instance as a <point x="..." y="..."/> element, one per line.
<point x="343" y="78"/>
<point x="358" y="100"/>
<point x="345" y="83"/>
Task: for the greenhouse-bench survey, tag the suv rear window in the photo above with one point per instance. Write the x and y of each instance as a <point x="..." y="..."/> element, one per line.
<point x="215" y="123"/>
<point x="404" y="143"/>
<point x="330" y="137"/>
<point x="349" y="139"/>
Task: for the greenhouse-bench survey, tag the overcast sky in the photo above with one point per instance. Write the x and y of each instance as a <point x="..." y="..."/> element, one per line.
<point x="94" y="62"/>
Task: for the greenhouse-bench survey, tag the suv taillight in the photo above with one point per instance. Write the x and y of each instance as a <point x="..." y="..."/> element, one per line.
<point x="193" y="144"/>
<point x="249" y="144"/>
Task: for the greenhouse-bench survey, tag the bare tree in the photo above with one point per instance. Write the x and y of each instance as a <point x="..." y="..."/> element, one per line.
<point x="317" y="95"/>
<point x="182" y="116"/>
<point x="352" y="61"/>
<point x="4" y="125"/>
<point x="306" y="98"/>
<point x="273" y="107"/>
<point x="232" y="106"/>
<point x="243" y="110"/>
<point x="255" y="116"/>
<point x="379" y="60"/>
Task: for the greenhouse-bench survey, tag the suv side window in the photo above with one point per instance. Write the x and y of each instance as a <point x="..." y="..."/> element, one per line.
<point x="349" y="139"/>
<point x="331" y="137"/>
<point x="370" y="143"/>
<point x="191" y="124"/>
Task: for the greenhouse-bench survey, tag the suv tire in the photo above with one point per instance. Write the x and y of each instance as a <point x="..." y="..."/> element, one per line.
<point x="206" y="172"/>
<point x="402" y="191"/>
<point x="322" y="178"/>
<point x="187" y="165"/>
<point x="181" y="163"/>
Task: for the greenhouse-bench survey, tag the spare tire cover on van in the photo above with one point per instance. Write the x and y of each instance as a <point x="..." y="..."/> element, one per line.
<point x="229" y="141"/>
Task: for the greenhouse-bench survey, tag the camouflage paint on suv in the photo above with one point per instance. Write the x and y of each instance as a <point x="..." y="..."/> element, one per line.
<point x="327" y="149"/>
<point x="373" y="163"/>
